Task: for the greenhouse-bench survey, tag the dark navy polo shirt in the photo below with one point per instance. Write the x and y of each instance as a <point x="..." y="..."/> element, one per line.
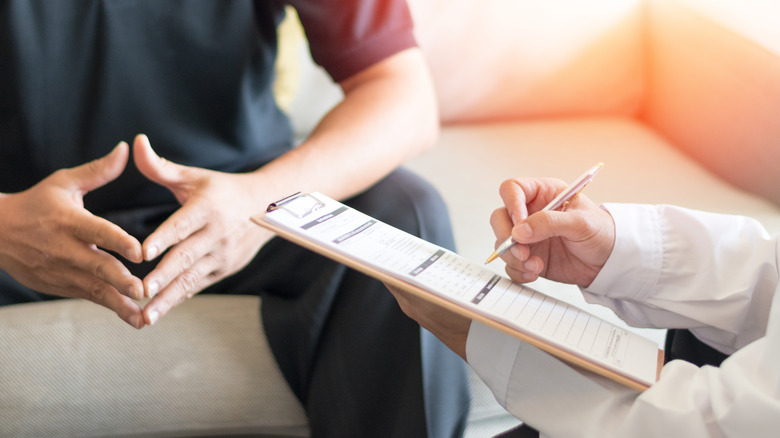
<point x="77" y="77"/>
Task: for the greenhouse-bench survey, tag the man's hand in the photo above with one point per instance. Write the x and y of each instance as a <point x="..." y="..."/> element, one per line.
<point x="51" y="244"/>
<point x="567" y="246"/>
<point x="209" y="238"/>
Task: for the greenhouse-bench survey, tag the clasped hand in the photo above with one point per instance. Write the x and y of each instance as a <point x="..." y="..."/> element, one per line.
<point x="50" y="243"/>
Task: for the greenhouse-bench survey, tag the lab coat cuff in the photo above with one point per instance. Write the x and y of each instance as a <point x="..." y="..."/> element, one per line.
<point x="491" y="353"/>
<point x="634" y="266"/>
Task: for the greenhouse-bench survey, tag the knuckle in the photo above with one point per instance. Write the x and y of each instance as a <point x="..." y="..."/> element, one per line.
<point x="216" y="276"/>
<point x="187" y="281"/>
<point x="224" y="241"/>
<point x="93" y="166"/>
<point x="78" y="225"/>
<point x="181" y="229"/>
<point x="546" y="226"/>
<point x="547" y="219"/>
<point x="219" y="249"/>
<point x="97" y="291"/>
<point x="185" y="258"/>
<point x="497" y="215"/>
<point x="105" y="233"/>
<point x="220" y="268"/>
<point x="100" y="269"/>
<point x="58" y="175"/>
<point x="96" y="168"/>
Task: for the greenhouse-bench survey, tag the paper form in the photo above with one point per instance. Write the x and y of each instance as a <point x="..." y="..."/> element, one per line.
<point x="349" y="232"/>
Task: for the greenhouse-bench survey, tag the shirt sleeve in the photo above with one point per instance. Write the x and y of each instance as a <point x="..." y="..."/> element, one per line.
<point x="347" y="36"/>
<point x="678" y="268"/>
<point x="740" y="398"/>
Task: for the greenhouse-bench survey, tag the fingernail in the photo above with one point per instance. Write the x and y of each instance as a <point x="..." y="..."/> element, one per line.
<point x="152" y="288"/>
<point x="136" y="321"/>
<point x="137" y="290"/>
<point x="151" y="252"/>
<point x="523" y="232"/>
<point x="154" y="315"/>
<point x="131" y="254"/>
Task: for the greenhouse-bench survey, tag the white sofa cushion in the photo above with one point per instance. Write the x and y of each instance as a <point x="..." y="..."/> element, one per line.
<point x="470" y="162"/>
<point x="70" y="368"/>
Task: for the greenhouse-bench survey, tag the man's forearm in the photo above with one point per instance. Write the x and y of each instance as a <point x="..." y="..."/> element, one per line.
<point x="388" y="115"/>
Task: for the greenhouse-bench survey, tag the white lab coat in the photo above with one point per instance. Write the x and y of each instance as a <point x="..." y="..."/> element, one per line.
<point x="674" y="268"/>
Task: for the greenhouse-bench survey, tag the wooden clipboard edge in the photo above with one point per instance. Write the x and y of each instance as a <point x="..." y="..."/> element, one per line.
<point x="418" y="291"/>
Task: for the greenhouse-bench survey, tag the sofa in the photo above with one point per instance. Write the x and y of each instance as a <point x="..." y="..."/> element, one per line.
<point x="679" y="99"/>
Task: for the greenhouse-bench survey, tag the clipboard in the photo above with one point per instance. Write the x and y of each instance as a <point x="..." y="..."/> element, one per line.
<point x="300" y="217"/>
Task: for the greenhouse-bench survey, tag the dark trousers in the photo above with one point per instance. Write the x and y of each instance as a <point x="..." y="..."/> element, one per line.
<point x="360" y="367"/>
<point x="683" y="344"/>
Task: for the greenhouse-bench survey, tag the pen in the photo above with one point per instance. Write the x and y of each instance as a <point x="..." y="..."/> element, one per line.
<point x="559" y="201"/>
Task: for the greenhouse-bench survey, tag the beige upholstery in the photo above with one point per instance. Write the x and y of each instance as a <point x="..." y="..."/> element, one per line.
<point x="641" y="166"/>
<point x="71" y="368"/>
<point x="510" y="59"/>
<point x="715" y="89"/>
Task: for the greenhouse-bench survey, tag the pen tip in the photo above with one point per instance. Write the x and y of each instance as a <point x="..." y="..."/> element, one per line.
<point x="491" y="258"/>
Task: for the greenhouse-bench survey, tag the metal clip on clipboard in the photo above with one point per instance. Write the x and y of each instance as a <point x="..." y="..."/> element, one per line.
<point x="299" y="204"/>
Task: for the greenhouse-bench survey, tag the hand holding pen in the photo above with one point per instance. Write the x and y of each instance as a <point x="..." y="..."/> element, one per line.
<point x="559" y="202"/>
<point x="570" y="246"/>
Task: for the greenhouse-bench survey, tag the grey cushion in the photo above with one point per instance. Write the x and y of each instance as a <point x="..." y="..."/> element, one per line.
<point x="72" y="368"/>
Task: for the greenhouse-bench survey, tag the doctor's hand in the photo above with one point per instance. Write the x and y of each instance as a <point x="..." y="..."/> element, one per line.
<point x="209" y="238"/>
<point x="50" y="243"/>
<point x="568" y="246"/>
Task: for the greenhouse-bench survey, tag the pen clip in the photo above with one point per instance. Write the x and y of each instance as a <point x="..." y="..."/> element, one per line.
<point x="573" y="197"/>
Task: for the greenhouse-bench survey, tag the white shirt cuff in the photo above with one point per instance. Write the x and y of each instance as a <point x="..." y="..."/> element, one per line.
<point x="491" y="353"/>
<point x="634" y="267"/>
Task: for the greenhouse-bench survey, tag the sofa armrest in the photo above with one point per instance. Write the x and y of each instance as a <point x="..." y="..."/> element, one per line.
<point x="714" y="87"/>
<point x="71" y="368"/>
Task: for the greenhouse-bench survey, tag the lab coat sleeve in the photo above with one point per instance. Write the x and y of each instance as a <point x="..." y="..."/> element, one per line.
<point x="660" y="253"/>
<point x="739" y="399"/>
<point x="678" y="268"/>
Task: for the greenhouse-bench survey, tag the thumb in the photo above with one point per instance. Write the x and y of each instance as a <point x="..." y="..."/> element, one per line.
<point x="544" y="225"/>
<point x="101" y="171"/>
<point x="152" y="166"/>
